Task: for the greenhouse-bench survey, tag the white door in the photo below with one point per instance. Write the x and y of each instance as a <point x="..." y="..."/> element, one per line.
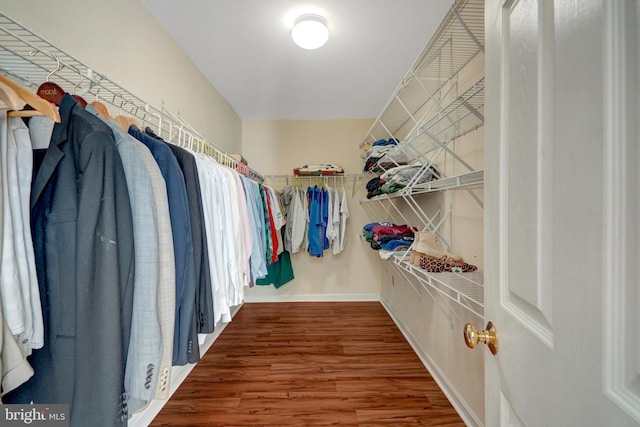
<point x="562" y="224"/>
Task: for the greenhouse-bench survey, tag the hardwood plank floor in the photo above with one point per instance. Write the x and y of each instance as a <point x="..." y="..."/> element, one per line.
<point x="309" y="364"/>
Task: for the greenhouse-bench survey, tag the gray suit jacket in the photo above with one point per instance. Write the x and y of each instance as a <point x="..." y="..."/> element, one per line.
<point x="166" y="298"/>
<point x="145" y="344"/>
<point x="83" y="243"/>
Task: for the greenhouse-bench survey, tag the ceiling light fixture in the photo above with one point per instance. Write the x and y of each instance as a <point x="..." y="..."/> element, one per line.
<point x="310" y="31"/>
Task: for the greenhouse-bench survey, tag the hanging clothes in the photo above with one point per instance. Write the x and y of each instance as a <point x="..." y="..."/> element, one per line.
<point x="247" y="237"/>
<point x="272" y="242"/>
<point x="318" y="218"/>
<point x="279" y="272"/>
<point x="145" y="344"/>
<point x="185" y="348"/>
<point x="83" y="245"/>
<point x="278" y="221"/>
<point x="258" y="266"/>
<point x="342" y="215"/>
<point x="220" y="235"/>
<point x="15" y="370"/>
<point x="204" y="299"/>
<point x="166" y="293"/>
<point x="19" y="290"/>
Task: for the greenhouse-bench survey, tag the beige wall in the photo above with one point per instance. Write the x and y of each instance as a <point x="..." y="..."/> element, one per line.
<point x="276" y="147"/>
<point x="122" y="40"/>
<point x="433" y="321"/>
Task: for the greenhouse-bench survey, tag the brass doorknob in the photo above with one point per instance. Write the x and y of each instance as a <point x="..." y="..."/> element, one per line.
<point x="489" y="336"/>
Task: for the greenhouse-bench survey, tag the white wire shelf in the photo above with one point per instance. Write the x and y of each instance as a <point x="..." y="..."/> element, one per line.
<point x="464" y="180"/>
<point x="434" y="76"/>
<point x="466" y="289"/>
<point x="460" y="116"/>
<point x="31" y="59"/>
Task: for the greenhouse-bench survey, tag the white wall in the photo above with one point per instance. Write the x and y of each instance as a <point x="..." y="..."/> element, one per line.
<point x="122" y="40"/>
<point x="277" y="147"/>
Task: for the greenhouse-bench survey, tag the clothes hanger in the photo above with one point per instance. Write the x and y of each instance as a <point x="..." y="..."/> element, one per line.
<point x="80" y="100"/>
<point x="159" y="117"/>
<point x="125" y="122"/>
<point x="99" y="106"/>
<point x="39" y="105"/>
<point x="10" y="98"/>
<point x="50" y="91"/>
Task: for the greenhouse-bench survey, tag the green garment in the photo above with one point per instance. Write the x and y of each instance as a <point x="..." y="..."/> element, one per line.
<point x="279" y="272"/>
<point x="391" y="187"/>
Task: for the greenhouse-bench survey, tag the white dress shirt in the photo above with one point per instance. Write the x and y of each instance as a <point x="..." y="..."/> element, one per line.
<point x="18" y="279"/>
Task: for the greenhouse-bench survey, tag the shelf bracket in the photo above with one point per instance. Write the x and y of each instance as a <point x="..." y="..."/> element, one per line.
<point x="449" y="150"/>
<point x="468" y="31"/>
<point x="472" y="109"/>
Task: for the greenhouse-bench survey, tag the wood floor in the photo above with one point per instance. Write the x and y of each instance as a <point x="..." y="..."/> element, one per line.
<point x="309" y="364"/>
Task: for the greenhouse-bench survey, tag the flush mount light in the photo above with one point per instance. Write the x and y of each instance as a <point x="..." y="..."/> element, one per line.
<point x="310" y="31"/>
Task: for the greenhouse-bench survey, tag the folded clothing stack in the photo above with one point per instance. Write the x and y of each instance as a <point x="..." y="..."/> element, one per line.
<point x="318" y="170"/>
<point x="385" y="235"/>
<point x="416" y="174"/>
<point x="399" y="177"/>
<point x="383" y="154"/>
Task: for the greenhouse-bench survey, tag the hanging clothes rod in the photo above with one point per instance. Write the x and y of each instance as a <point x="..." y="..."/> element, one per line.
<point x="31" y="59"/>
<point x="285" y="176"/>
<point x="317" y="178"/>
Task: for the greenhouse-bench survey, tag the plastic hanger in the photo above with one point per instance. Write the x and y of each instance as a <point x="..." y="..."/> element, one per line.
<point x="39" y="105"/>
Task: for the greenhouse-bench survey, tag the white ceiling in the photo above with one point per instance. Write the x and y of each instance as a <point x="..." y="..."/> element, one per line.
<point x="244" y="48"/>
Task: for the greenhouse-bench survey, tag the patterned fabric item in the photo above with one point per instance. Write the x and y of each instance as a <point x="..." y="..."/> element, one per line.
<point x="321" y="169"/>
<point x="444" y="264"/>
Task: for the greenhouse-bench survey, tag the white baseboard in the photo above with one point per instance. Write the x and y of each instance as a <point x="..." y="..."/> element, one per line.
<point x="459" y="404"/>
<point x="312" y="298"/>
<point x="178" y="375"/>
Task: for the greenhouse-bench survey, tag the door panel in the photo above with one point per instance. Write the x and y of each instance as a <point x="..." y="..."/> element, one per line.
<point x="622" y="185"/>
<point x="526" y="171"/>
<point x="508" y="417"/>
<point x="561" y="212"/>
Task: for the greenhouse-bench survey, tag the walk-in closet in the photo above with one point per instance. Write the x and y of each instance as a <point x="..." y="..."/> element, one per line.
<point x="425" y="215"/>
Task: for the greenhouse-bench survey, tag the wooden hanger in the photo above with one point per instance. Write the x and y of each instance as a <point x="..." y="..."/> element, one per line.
<point x="41" y="106"/>
<point x="125" y="122"/>
<point x="10" y="98"/>
<point x="99" y="106"/>
<point x="101" y="109"/>
<point x="51" y="91"/>
<point x="80" y="100"/>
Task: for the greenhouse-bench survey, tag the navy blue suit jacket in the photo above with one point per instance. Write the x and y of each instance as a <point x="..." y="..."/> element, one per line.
<point x="185" y="338"/>
<point x="204" y="297"/>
